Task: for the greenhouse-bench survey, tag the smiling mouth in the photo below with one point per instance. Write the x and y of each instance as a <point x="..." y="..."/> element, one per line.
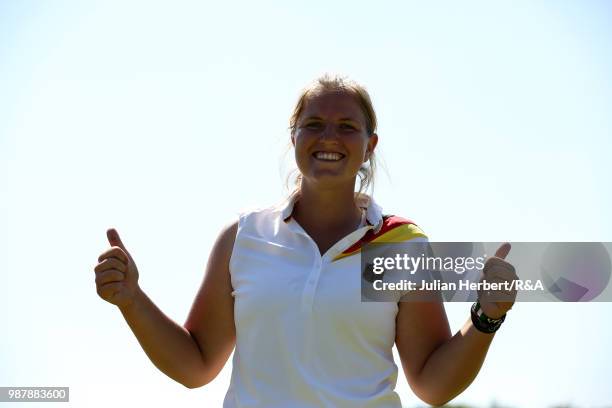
<point x="328" y="156"/>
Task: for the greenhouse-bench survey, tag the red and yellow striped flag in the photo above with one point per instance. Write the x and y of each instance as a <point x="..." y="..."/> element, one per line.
<point x="394" y="229"/>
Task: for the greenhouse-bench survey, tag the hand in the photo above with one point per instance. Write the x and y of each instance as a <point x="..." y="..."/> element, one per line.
<point x="116" y="273"/>
<point x="496" y="269"/>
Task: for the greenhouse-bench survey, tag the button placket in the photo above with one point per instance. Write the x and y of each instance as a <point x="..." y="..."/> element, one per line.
<point x="313" y="277"/>
<point x="311" y="283"/>
<point x="308" y="292"/>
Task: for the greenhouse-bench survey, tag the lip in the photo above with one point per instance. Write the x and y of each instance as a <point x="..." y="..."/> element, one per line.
<point x="327" y="151"/>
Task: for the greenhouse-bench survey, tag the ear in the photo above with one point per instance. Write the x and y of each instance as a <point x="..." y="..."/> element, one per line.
<point x="292" y="139"/>
<point x="372" y="142"/>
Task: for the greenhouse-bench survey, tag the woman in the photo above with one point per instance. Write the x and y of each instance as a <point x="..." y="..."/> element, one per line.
<point x="282" y="286"/>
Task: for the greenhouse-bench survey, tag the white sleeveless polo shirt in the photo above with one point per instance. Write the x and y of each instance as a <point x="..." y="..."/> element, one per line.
<point x="304" y="338"/>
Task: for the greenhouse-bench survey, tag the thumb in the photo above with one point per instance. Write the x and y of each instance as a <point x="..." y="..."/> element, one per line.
<point x="503" y="250"/>
<point x="114" y="239"/>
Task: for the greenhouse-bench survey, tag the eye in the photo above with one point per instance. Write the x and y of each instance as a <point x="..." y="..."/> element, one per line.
<point x="346" y="126"/>
<point x="312" y="125"/>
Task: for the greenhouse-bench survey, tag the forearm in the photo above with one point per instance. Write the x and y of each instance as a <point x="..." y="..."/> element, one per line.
<point x="452" y="367"/>
<point x="167" y="344"/>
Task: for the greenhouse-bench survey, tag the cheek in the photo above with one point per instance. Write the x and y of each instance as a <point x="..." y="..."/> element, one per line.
<point x="300" y="150"/>
<point x="298" y="147"/>
<point x="358" y="145"/>
<point x="302" y="143"/>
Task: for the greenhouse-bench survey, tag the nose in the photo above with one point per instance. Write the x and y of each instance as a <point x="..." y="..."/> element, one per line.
<point x="329" y="132"/>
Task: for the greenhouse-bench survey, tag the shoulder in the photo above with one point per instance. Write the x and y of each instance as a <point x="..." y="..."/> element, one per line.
<point x="395" y="228"/>
<point x="224" y="243"/>
<point x="254" y="222"/>
<point x="229" y="230"/>
<point x="253" y="212"/>
<point x="388" y="227"/>
<point x="247" y="217"/>
<point x="392" y="229"/>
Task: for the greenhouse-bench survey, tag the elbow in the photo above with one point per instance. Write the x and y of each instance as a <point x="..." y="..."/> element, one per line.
<point x="433" y="397"/>
<point x="199" y="381"/>
<point x="434" y="402"/>
<point x="191" y="384"/>
<point x="194" y="384"/>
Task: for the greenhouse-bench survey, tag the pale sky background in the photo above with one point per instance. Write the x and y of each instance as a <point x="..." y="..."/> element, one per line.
<point x="164" y="120"/>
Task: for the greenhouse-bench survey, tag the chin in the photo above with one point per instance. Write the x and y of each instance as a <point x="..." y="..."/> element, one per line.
<point x="327" y="180"/>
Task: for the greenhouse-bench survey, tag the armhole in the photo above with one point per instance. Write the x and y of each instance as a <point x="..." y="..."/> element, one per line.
<point x="241" y="221"/>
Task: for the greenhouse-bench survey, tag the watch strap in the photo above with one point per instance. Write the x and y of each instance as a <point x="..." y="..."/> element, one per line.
<point x="484" y="323"/>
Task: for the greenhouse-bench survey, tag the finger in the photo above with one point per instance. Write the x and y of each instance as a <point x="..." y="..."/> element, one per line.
<point x="114" y="239"/>
<point x="502" y="284"/>
<point x="503" y="250"/>
<point x="504" y="271"/>
<point x="492" y="307"/>
<point x="109" y="290"/>
<point x="110" y="263"/>
<point x="112" y="275"/>
<point x="497" y="263"/>
<point x="503" y="293"/>
<point x="497" y="279"/>
<point x="114" y="252"/>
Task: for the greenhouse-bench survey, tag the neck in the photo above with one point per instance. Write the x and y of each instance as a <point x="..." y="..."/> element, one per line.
<point x="328" y="208"/>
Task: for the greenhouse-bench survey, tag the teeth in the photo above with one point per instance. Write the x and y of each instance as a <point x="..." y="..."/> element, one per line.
<point x="328" y="156"/>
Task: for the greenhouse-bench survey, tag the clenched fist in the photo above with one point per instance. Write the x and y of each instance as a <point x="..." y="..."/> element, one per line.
<point x="116" y="273"/>
<point x="497" y="270"/>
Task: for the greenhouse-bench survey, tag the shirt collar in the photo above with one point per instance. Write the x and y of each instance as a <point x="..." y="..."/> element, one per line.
<point x="373" y="210"/>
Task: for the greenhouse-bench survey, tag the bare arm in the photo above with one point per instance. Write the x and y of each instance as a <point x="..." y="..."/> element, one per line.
<point x="211" y="319"/>
<point x="438" y="367"/>
<point x="169" y="346"/>
<point x="174" y="349"/>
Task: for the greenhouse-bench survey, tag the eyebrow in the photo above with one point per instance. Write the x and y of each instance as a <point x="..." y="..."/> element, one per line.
<point x="347" y="119"/>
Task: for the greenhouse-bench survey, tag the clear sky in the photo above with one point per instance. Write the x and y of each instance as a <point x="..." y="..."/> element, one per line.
<point x="164" y="120"/>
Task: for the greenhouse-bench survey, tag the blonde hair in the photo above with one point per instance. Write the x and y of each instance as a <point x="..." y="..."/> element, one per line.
<point x="337" y="83"/>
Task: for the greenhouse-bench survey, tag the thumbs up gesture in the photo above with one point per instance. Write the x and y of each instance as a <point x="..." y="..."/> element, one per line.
<point x="116" y="273"/>
<point x="495" y="303"/>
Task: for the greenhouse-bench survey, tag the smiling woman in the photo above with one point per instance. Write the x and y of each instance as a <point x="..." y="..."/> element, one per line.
<point x="359" y="118"/>
<point x="283" y="286"/>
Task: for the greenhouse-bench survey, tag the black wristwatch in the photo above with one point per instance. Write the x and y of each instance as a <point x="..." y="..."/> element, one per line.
<point x="483" y="322"/>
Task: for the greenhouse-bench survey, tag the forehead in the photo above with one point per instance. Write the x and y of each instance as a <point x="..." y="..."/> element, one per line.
<point x="333" y="105"/>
